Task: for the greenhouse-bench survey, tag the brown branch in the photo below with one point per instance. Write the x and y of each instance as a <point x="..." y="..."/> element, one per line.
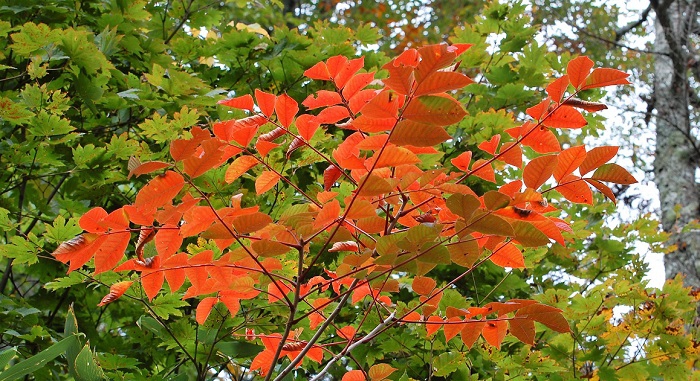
<point x="629" y="27"/>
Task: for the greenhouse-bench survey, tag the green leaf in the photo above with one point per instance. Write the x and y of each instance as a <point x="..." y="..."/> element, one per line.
<point x="62" y="230"/>
<point x="65" y="282"/>
<point x="6" y="356"/>
<point x="86" y="367"/>
<point x="446" y="363"/>
<point x="39" y="360"/>
<point x="168" y="305"/>
<point x="238" y="349"/>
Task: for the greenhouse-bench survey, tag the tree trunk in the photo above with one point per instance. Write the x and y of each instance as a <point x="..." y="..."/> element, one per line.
<point x="676" y="158"/>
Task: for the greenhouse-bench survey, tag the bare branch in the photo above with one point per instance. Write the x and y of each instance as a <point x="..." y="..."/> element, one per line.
<point x="629" y="27"/>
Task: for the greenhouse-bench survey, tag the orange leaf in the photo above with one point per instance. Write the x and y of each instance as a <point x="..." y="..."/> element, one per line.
<point x="442" y="81"/>
<point x="344" y="246"/>
<point x="175" y="273"/>
<point x="578" y="70"/>
<point x="384" y="105"/>
<point x="557" y="88"/>
<point x="394" y="156"/>
<point x="494" y="332"/>
<point x="367" y="124"/>
<point x="380" y="372"/>
<point x="244" y="102"/>
<point x="523" y="329"/>
<point x="490" y="146"/>
<point x="286" y="109"/>
<point x="408" y="57"/>
<point x="547" y="315"/>
<point x="250" y="223"/>
<point x="613" y="173"/>
<point x="92" y="220"/>
<point x="588" y="106"/>
<point x="147" y="167"/>
<point x="359" y="100"/>
<point x="440" y="110"/>
<point x="602" y="77"/>
<point x="266" y="181"/>
<point x="538" y="170"/>
<point x="537" y="137"/>
<point x="318" y="71"/>
<point x="373" y="185"/>
<point x="160" y="191"/>
<point x="294" y="145"/>
<point x="401" y="77"/>
<point x="565" y="117"/>
<point x="346" y="70"/>
<point x="408" y="132"/>
<point x="330" y="175"/>
<point x="239" y="166"/>
<point x="604" y="189"/>
<point x="357" y="83"/>
<point x="196" y="165"/>
<point x="597" y="157"/>
<point x="115" y="292"/>
<point x="264" y="147"/>
<point x="307" y="126"/>
<point x="433" y="324"/>
<point x="267" y="248"/>
<point x="471" y="332"/>
<point x="575" y="190"/>
<point x="483" y="169"/>
<point x="462" y="161"/>
<point x="266" y="102"/>
<point x="508" y="255"/>
<point x="328" y="214"/>
<point x="434" y="58"/>
<point x="322" y="98"/>
<point x="354" y="375"/>
<point x="512" y="154"/>
<point x="183" y="148"/>
<point x="204" y="309"/>
<point x="263" y="361"/>
<point x="152" y="283"/>
<point x="332" y="115"/>
<point x="569" y="160"/>
<point x="423" y="285"/>
<point x="272" y="135"/>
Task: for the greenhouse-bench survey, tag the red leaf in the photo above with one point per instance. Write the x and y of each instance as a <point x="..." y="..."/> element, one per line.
<point x="556" y="89"/>
<point x="597" y="157"/>
<point x="494" y="332"/>
<point x="539" y="110"/>
<point x="569" y="160"/>
<point x="266" y="102"/>
<point x="574" y="189"/>
<point x="263" y="361"/>
<point x="204" y="309"/>
<point x="318" y="71"/>
<point x="322" y="98"/>
<point x="539" y="170"/>
<point x="111" y="251"/>
<point x="346" y="70"/>
<point x="359" y="100"/>
<point x="244" y="102"/>
<point x="602" y="77"/>
<point x="578" y="70"/>
<point x="330" y="175"/>
<point x="152" y="282"/>
<point x="286" y="109"/>
<point x="272" y="135"/>
<point x="409" y="57"/>
<point x="613" y="173"/>
<point x="508" y="255"/>
<point x="264" y="147"/>
<point x="115" y="292"/>
<point x="512" y="154"/>
<point x="565" y="117"/>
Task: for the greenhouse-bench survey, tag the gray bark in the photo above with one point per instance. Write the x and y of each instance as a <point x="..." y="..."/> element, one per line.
<point x="676" y="154"/>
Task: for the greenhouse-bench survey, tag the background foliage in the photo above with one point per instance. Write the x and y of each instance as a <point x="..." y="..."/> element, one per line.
<point x="86" y="85"/>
